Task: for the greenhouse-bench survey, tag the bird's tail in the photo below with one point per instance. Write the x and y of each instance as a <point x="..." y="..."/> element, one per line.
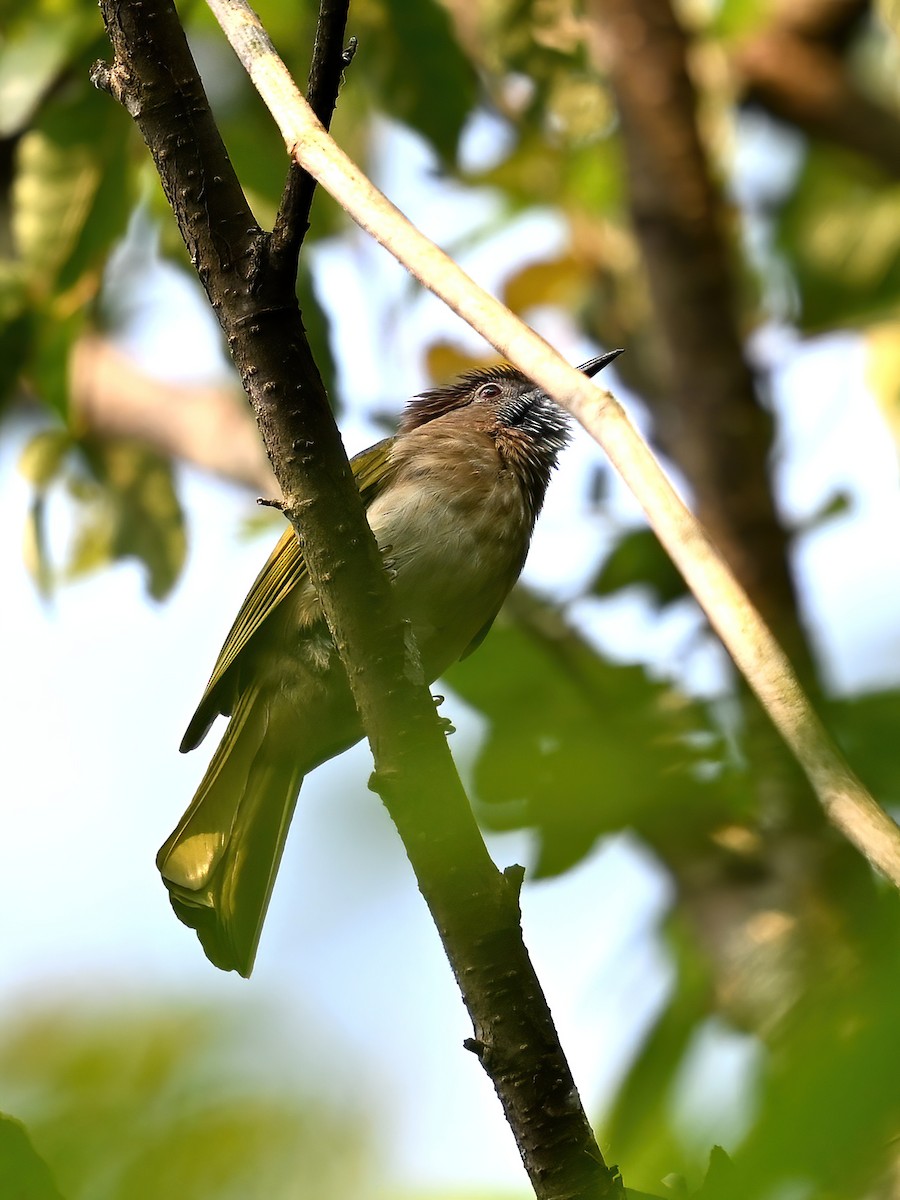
<point x="220" y="863"/>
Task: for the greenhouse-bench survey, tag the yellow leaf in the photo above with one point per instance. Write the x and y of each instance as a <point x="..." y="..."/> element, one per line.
<point x="560" y="281"/>
<point x="42" y="458"/>
<point x="445" y="361"/>
<point x="883" y="371"/>
<point x="889" y="11"/>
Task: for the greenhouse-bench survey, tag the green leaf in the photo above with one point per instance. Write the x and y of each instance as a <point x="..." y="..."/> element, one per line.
<point x="32" y="56"/>
<point x="64" y="222"/>
<point x="133" y="1101"/>
<point x="24" y="1173"/>
<point x="638" y="1128"/>
<point x="838" y="1040"/>
<point x="735" y="19"/>
<point x="125" y="506"/>
<point x="43" y="458"/>
<point x="585" y="179"/>
<point x="839" y="235"/>
<point x="720" y="1181"/>
<point x="35" y="551"/>
<point x="835" y="505"/>
<point x="866" y="727"/>
<point x="47" y="368"/>
<point x="579" y="747"/>
<point x="423" y="77"/>
<point x="16" y="335"/>
<point x="136" y="515"/>
<point x="639" y="560"/>
<point x="52" y="193"/>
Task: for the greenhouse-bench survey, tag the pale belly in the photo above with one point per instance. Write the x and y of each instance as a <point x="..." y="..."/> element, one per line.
<point x="453" y="562"/>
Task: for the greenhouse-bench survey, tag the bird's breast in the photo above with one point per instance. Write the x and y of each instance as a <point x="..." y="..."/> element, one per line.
<point x="455" y="530"/>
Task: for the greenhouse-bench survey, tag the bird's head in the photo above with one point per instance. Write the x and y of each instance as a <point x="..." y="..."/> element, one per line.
<point x="528" y="428"/>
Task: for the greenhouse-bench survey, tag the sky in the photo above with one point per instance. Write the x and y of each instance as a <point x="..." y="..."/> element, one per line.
<point x="100" y="682"/>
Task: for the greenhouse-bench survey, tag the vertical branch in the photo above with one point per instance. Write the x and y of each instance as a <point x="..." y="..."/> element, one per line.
<point x="709" y="419"/>
<point x="325" y="74"/>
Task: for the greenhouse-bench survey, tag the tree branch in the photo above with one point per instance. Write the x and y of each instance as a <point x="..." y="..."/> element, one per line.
<point x="847" y="803"/>
<point x="474" y="906"/>
<point x="325" y="73"/>
<point x="708" y="417"/>
<point x="806" y="83"/>
<point x="828" y="22"/>
<point x="207" y="426"/>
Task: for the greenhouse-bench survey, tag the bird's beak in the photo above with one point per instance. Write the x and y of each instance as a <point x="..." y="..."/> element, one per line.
<point x="593" y="365"/>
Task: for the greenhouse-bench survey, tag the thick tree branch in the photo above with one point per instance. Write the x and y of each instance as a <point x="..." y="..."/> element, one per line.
<point x="474" y="906"/>
<point x="708" y="417"/>
<point x="848" y="805"/>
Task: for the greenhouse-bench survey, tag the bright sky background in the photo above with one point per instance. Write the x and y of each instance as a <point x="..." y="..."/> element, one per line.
<point x="99" y="685"/>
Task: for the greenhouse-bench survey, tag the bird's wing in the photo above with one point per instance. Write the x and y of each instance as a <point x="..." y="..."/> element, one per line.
<point x="283" y="571"/>
<point x="479" y="637"/>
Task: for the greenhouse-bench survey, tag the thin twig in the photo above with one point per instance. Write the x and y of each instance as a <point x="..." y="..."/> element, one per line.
<point x="847" y="803"/>
<point x="325" y="73"/>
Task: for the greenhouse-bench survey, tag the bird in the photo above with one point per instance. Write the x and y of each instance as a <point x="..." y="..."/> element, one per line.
<point x="452" y="500"/>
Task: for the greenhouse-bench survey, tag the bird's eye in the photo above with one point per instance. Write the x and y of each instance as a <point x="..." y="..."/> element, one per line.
<point x="489" y="391"/>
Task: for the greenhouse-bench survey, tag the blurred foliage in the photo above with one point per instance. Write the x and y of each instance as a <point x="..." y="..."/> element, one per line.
<point x="24" y="1174"/>
<point x="567" y="767"/>
<point x="125" y="503"/>
<point x="132" y="1102"/>
<point x="834" y="1045"/>
<point x="840" y="235"/>
<point x="638" y="560"/>
<point x="776" y="930"/>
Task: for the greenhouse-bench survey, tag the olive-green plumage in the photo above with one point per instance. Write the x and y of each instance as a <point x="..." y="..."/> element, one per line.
<point x="452" y="499"/>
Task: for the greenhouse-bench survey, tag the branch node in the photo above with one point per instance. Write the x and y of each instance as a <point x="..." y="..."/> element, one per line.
<point x="101" y="76"/>
<point x="264" y="502"/>
<point x="475" y="1046"/>
<point x="114" y="79"/>
<point x="382" y="782"/>
<point x="350" y="51"/>
<point x="514" y="875"/>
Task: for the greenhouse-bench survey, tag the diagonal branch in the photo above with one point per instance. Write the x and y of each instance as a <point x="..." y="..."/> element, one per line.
<point x="846" y="802"/>
<point x="208" y="426"/>
<point x="474" y="906"/>
<point x="796" y="68"/>
<point x="807" y="84"/>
